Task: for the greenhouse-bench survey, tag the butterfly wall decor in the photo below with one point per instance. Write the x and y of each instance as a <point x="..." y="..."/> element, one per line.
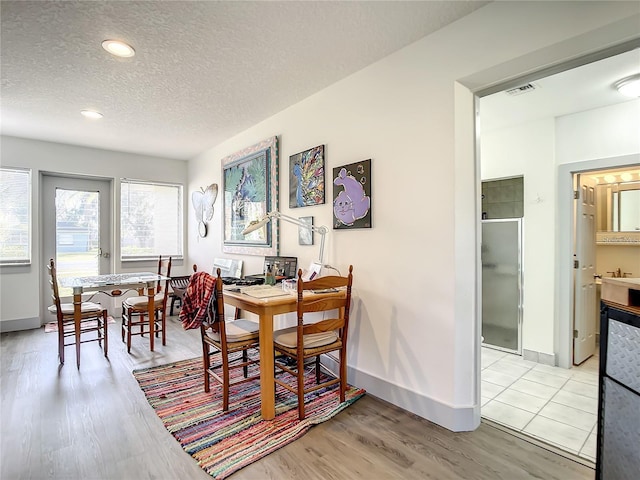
<point x="203" y="201"/>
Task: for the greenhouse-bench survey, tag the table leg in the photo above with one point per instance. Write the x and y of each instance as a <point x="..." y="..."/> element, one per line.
<point x="267" y="386"/>
<point x="152" y="311"/>
<point x="77" y="316"/>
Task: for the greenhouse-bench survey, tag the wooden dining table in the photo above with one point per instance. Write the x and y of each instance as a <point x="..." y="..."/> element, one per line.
<point x="112" y="284"/>
<point x="266" y="309"/>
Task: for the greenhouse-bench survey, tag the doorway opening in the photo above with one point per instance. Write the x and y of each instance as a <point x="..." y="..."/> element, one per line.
<point x="538" y="393"/>
<point x="606" y="245"/>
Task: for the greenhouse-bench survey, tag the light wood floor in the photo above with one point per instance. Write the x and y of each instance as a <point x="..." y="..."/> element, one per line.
<point x="95" y="423"/>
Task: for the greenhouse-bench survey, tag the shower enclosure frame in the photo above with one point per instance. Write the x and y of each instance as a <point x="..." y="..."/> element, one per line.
<point x="519" y="281"/>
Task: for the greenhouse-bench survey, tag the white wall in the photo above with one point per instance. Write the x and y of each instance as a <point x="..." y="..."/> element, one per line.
<point x="20" y="285"/>
<point x="599" y="133"/>
<point x="415" y="317"/>
<point x="611" y="257"/>
<point x="528" y="150"/>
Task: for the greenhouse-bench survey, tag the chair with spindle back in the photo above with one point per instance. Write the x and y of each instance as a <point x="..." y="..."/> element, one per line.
<point x="135" y="310"/>
<point x="310" y="340"/>
<point x="228" y="338"/>
<point x="93" y="320"/>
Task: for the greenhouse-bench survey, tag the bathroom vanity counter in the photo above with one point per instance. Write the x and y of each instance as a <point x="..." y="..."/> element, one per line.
<point x="621" y="291"/>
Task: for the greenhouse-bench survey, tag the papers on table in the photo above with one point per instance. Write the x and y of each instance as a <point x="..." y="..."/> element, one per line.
<point x="263" y="291"/>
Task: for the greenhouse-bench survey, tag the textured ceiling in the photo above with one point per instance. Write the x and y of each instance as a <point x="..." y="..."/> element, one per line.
<point x="203" y="71"/>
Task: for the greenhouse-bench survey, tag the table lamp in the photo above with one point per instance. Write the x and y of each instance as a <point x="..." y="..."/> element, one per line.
<point x="257" y="224"/>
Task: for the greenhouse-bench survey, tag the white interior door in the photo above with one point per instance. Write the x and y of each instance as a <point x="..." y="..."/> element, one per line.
<point x="585" y="312"/>
<point x="76" y="226"/>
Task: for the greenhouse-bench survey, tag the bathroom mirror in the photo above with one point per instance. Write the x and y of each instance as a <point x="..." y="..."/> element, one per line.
<point x="627" y="214"/>
<point x="618" y="207"/>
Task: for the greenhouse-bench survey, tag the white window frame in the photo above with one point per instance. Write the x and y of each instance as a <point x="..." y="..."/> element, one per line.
<point x="125" y="187"/>
<point x="26" y="260"/>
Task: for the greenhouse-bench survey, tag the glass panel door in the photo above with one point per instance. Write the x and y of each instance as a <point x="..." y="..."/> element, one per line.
<point x="502" y="284"/>
<point x="76" y="230"/>
<point x="77" y="234"/>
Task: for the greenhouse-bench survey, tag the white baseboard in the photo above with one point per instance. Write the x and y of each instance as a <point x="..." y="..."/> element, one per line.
<point x="539" y="357"/>
<point x="456" y="419"/>
<point x="19" y="324"/>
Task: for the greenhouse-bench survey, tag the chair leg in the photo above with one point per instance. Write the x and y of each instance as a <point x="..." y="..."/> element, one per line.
<point x="225" y="381"/>
<point x="173" y="301"/>
<point x="105" y="325"/>
<point x="156" y="319"/>
<point x="245" y="359"/>
<point x="206" y="363"/>
<point x="61" y="342"/>
<point x="318" y="370"/>
<point x="300" y="387"/>
<point x="77" y="339"/>
<point x="164" y="329"/>
<point x="101" y="324"/>
<point x="343" y="373"/>
<point x="129" y="313"/>
<point x="122" y="322"/>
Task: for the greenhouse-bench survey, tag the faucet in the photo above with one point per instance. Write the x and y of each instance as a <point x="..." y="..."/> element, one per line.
<point x="616" y="274"/>
<point x="620" y="274"/>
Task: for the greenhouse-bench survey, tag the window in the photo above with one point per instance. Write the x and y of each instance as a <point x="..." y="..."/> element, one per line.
<point x="15" y="216"/>
<point x="151" y="220"/>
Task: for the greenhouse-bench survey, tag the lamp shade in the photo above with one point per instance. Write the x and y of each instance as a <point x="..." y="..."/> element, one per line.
<point x="256" y="225"/>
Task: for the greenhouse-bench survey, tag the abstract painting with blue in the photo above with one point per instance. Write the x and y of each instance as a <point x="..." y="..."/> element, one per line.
<point x="306" y="178"/>
<point x="250" y="186"/>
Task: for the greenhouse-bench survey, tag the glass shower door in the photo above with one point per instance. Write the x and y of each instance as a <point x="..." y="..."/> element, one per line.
<point x="502" y="283"/>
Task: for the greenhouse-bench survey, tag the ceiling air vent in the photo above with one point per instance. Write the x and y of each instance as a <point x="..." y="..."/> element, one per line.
<point x="529" y="87"/>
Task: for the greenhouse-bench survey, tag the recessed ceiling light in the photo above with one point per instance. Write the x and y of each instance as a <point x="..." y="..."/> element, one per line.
<point x="118" y="48"/>
<point x="92" y="114"/>
<point x="630" y="86"/>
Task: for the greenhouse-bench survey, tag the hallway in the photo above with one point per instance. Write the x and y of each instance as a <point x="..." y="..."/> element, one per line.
<point x="554" y="405"/>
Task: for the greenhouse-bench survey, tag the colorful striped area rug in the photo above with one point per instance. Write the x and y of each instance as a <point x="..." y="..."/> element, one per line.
<point x="224" y="442"/>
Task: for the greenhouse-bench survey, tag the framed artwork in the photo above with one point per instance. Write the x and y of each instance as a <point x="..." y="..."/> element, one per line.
<point x="352" y="195"/>
<point x="306" y="178"/>
<point x="250" y="184"/>
<point x="305" y="235"/>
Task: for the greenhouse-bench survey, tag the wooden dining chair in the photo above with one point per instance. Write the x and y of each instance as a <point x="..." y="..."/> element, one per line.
<point x="135" y="310"/>
<point x="93" y="322"/>
<point x="310" y="340"/>
<point x="236" y="341"/>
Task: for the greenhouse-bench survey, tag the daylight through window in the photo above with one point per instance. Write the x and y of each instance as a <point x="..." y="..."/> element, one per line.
<point x="15" y="216"/>
<point x="151" y="220"/>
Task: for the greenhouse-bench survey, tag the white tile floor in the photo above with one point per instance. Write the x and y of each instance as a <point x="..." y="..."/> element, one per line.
<point x="554" y="405"/>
